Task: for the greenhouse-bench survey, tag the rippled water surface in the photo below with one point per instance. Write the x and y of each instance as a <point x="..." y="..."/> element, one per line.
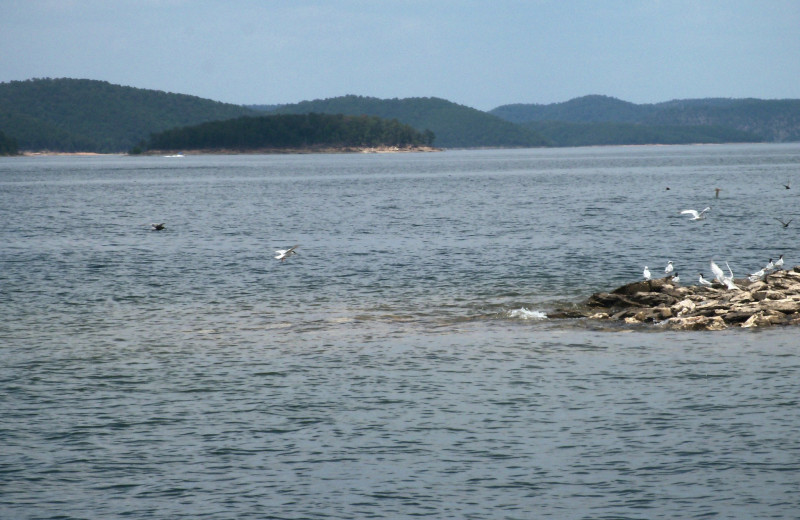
<point x="400" y="365"/>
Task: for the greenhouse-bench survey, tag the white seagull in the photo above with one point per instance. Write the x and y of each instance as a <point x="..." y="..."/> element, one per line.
<point x="695" y="215"/>
<point x="669" y="268"/>
<point x="703" y="281"/>
<point x="769" y="265"/>
<point x="646" y="273"/>
<point x="779" y="263"/>
<point x="283" y="254"/>
<point x="758" y="275"/>
<point x="676" y="278"/>
<point x="728" y="280"/>
<point x="718" y="274"/>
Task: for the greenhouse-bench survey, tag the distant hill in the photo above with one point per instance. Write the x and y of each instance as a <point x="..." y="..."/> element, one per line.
<point x="72" y="115"/>
<point x="291" y="131"/>
<point x="455" y="126"/>
<point x="766" y="120"/>
<point x="86" y="115"/>
<point x="8" y="145"/>
<point x="602" y="134"/>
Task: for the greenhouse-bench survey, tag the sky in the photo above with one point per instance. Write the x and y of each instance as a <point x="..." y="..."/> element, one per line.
<point x="482" y="54"/>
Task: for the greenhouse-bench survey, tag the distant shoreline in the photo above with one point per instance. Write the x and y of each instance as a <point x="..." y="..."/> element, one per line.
<point x="296" y="151"/>
<point x="259" y="151"/>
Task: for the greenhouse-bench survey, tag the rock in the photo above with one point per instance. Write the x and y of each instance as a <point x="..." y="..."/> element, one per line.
<point x="697" y="323"/>
<point x="683" y="306"/>
<point x="775" y="300"/>
<point x="786" y="306"/>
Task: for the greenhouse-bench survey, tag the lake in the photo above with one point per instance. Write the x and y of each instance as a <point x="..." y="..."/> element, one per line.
<point x="402" y="363"/>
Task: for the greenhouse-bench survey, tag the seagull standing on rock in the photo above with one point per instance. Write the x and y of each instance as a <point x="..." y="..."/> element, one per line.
<point x="669" y="268"/>
<point x="779" y="263"/>
<point x="703" y="281"/>
<point x="646" y="273"/>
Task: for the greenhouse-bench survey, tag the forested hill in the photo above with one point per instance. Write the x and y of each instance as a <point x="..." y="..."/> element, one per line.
<point x="71" y="115"/>
<point x="455" y="126"/>
<point x="767" y="120"/>
<point x="291" y="131"/>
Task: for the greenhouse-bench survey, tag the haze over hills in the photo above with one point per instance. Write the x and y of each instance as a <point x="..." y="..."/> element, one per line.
<point x="70" y="115"/>
<point x="768" y="120"/>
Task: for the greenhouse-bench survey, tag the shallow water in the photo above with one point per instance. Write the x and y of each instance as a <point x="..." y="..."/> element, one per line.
<point x="400" y="365"/>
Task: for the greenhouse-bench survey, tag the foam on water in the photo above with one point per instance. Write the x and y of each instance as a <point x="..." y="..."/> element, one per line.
<point x="526" y="314"/>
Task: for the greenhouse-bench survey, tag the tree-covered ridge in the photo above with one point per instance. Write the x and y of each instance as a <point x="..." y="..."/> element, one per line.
<point x="88" y="115"/>
<point x="8" y="145"/>
<point x="599" y="134"/>
<point x="455" y="126"/>
<point x="769" y="120"/>
<point x="290" y="131"/>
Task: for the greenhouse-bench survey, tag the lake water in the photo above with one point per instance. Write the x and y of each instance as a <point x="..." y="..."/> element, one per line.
<point x="401" y="364"/>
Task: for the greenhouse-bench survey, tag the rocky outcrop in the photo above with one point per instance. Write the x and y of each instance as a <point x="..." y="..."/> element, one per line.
<point x="773" y="301"/>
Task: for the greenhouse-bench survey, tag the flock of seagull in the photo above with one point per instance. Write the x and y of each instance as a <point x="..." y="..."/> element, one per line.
<point x="719" y="274"/>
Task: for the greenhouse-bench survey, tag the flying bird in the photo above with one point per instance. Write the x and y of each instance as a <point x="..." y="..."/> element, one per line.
<point x="695" y="214"/>
<point x="784" y="224"/>
<point x="283" y="254"/>
<point x="718" y="274"/>
<point x="669" y="268"/>
<point x="646" y="273"/>
<point x="158" y="227"/>
<point x="728" y="280"/>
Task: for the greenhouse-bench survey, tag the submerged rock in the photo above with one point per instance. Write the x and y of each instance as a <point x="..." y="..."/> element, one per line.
<point x="774" y="301"/>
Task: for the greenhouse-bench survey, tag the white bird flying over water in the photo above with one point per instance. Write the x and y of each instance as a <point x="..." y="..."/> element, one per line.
<point x="669" y="268"/>
<point x="695" y="215"/>
<point x="646" y="273"/>
<point x="283" y="254"/>
<point x="703" y="281"/>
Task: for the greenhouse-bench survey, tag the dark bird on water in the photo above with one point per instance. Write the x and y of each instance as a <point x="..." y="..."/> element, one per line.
<point x="784" y="224"/>
<point x="786" y="185"/>
<point x="158" y="227"/>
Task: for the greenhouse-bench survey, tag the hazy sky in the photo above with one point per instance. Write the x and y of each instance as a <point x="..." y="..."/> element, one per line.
<point x="478" y="53"/>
